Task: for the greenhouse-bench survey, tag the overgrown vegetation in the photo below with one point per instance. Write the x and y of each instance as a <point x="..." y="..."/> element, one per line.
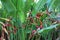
<point x="29" y="20"/>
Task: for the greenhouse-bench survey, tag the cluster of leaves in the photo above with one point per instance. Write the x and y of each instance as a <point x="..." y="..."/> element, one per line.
<point x="27" y="20"/>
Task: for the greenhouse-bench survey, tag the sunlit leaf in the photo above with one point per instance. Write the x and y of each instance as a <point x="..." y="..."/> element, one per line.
<point x="21" y="16"/>
<point x="44" y="30"/>
<point x="38" y="6"/>
<point x="8" y="5"/>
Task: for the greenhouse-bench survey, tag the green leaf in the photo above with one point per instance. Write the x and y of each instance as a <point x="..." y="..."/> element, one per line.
<point x="22" y="34"/>
<point x="38" y="6"/>
<point x="8" y="5"/>
<point x="21" y="16"/>
<point x="47" y="31"/>
<point x="51" y="3"/>
<point x="44" y="30"/>
<point x="54" y="4"/>
<point x="14" y="2"/>
<point x="20" y="5"/>
<point x="28" y="5"/>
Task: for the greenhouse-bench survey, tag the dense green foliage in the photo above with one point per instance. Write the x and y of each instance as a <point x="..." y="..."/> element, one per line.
<point x="28" y="20"/>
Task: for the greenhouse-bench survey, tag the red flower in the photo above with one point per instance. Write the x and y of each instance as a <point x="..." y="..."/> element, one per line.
<point x="38" y="15"/>
<point x="41" y="26"/>
<point x="37" y="27"/>
<point x="33" y="32"/>
<point x="7" y="24"/>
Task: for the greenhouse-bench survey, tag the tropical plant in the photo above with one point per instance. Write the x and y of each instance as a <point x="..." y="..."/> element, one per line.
<point x="29" y="20"/>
